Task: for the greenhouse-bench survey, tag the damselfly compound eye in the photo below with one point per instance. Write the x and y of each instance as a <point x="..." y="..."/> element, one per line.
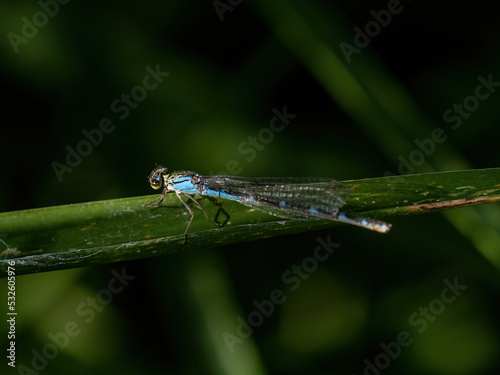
<point x="156" y="177"/>
<point x="155" y="182"/>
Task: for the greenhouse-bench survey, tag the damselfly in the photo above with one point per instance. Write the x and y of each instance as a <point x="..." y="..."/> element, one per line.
<point x="291" y="198"/>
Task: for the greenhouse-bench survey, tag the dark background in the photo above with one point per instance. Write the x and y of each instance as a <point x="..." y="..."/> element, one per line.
<point x="225" y="78"/>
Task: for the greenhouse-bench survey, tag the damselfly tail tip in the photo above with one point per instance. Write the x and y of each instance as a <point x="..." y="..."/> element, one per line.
<point x="381" y="226"/>
<point x="372" y="224"/>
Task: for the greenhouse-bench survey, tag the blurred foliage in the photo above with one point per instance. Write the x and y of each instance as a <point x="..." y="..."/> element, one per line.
<point x="353" y="120"/>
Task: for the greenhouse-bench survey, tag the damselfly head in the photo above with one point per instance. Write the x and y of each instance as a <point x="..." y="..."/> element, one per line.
<point x="156" y="177"/>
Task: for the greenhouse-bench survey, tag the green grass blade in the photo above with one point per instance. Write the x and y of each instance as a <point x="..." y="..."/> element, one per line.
<point x="78" y="235"/>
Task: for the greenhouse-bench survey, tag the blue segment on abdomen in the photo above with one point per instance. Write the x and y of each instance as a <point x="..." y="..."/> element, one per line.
<point x="314" y="211"/>
<point x="220" y="193"/>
